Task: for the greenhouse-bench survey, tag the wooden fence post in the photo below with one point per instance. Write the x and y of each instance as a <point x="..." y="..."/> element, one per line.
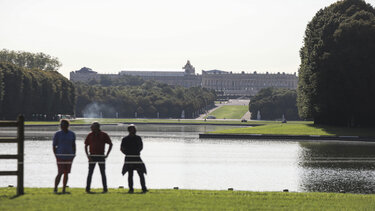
<point x="20" y="166"/>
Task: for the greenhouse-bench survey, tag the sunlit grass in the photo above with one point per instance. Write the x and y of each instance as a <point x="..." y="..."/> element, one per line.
<point x="171" y="121"/>
<point x="230" y="112"/>
<point x="300" y="129"/>
<point x="44" y="199"/>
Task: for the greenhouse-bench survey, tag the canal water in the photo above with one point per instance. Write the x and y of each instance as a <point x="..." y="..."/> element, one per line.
<point x="176" y="157"/>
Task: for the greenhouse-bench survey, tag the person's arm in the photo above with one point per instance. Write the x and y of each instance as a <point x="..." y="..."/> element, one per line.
<point x="86" y="147"/>
<point x="54" y="144"/>
<point x="140" y="144"/>
<point x="110" y="146"/>
<point x="122" y="147"/>
<point x="74" y="146"/>
<point x="109" y="149"/>
<point x="87" y="153"/>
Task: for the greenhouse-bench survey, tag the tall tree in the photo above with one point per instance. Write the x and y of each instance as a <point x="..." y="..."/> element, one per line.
<point x="29" y="60"/>
<point x="337" y="71"/>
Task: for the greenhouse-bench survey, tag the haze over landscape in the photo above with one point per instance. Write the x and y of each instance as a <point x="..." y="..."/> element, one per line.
<point x="115" y="35"/>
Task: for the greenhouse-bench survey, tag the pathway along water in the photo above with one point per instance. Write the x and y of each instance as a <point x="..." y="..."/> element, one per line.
<point x="176" y="157"/>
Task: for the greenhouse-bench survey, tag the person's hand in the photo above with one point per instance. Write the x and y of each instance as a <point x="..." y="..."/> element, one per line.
<point x="88" y="157"/>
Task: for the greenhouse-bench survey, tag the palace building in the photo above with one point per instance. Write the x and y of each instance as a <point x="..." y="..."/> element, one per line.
<point x="227" y="83"/>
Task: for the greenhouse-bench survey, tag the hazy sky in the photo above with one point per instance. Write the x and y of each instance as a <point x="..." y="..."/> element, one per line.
<point x="109" y="36"/>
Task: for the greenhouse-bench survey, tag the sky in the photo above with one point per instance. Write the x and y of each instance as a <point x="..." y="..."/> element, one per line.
<point x="113" y="35"/>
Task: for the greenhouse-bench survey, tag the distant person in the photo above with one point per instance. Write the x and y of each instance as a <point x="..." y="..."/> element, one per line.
<point x="96" y="141"/>
<point x="132" y="146"/>
<point x="64" y="148"/>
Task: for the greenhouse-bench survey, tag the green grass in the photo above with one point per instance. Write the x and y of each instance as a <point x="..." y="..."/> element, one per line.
<point x="230" y="112"/>
<point x="44" y="199"/>
<point x="300" y="128"/>
<point x="172" y="121"/>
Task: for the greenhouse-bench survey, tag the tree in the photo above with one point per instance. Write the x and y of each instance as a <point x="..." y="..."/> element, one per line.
<point x="273" y="103"/>
<point x="29" y="60"/>
<point x="337" y="72"/>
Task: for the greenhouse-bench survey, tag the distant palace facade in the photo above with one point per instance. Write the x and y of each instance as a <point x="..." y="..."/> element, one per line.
<point x="226" y="83"/>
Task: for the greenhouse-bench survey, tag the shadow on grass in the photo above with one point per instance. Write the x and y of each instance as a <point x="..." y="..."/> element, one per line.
<point x="345" y="131"/>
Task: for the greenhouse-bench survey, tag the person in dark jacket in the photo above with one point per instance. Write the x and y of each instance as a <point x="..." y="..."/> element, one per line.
<point x="132" y="146"/>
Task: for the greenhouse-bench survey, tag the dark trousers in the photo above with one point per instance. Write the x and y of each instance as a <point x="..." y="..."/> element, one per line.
<point x="141" y="178"/>
<point x="92" y="163"/>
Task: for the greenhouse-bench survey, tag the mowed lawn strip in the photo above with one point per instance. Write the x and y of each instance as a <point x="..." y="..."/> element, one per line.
<point x="149" y="121"/>
<point x="300" y="129"/>
<point x="44" y="199"/>
<point x="230" y="112"/>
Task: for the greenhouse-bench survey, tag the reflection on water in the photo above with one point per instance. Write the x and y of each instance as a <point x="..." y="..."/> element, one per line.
<point x="337" y="167"/>
<point x="175" y="156"/>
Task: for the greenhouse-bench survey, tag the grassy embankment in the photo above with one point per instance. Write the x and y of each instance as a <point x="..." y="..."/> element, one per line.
<point x="44" y="199"/>
<point x="230" y="112"/>
<point x="300" y="128"/>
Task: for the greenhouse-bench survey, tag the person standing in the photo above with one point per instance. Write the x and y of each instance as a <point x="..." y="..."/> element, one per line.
<point x="64" y="148"/>
<point x="132" y="146"/>
<point x="96" y="141"/>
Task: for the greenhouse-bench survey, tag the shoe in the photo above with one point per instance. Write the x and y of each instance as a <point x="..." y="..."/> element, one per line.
<point x="88" y="191"/>
<point x="131" y="191"/>
<point x="55" y="190"/>
<point x="105" y="190"/>
<point x="144" y="190"/>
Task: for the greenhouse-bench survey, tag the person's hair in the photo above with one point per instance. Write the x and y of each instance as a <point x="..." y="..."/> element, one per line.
<point x="131" y="126"/>
<point x="96" y="123"/>
<point x="64" y="121"/>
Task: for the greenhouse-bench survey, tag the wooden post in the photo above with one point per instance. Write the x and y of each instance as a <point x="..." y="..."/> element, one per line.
<point x="20" y="137"/>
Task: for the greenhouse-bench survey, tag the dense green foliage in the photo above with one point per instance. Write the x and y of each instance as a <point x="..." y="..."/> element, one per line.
<point x="273" y="103"/>
<point x="118" y="199"/>
<point x="129" y="95"/>
<point x="337" y="72"/>
<point x="27" y="87"/>
<point x="29" y="60"/>
<point x="35" y="93"/>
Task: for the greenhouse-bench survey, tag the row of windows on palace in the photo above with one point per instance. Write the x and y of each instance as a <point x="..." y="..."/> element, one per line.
<point x="219" y="84"/>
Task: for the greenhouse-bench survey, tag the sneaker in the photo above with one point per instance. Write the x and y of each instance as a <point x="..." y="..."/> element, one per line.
<point x="105" y="190"/>
<point x="144" y="190"/>
<point x="131" y="191"/>
<point x="88" y="190"/>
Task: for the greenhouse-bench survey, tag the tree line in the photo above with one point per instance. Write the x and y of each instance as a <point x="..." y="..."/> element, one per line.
<point x="35" y="93"/>
<point x="43" y="94"/>
<point x="337" y="71"/>
<point x="274" y="103"/>
<point x="130" y="96"/>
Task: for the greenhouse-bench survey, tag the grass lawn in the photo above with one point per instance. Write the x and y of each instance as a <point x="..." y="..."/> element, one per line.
<point x="230" y="112"/>
<point x="44" y="199"/>
<point x="300" y="128"/>
<point x="115" y="121"/>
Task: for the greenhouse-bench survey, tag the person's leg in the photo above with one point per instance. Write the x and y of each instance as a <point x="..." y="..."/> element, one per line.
<point x="57" y="181"/>
<point x="102" y="172"/>
<point x="65" y="181"/>
<point x="89" y="176"/>
<point x="143" y="182"/>
<point x="130" y="181"/>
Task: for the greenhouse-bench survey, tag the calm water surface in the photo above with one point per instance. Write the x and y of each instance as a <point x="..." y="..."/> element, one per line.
<point x="175" y="156"/>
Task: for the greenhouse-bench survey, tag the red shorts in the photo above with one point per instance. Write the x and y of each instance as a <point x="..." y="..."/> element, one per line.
<point x="64" y="166"/>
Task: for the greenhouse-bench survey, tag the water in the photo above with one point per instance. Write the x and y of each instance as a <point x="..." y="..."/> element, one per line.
<point x="175" y="156"/>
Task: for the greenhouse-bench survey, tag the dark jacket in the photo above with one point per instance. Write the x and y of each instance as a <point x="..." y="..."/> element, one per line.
<point x="132" y="146"/>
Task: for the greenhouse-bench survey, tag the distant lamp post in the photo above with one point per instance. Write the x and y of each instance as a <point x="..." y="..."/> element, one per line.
<point x="135" y="114"/>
